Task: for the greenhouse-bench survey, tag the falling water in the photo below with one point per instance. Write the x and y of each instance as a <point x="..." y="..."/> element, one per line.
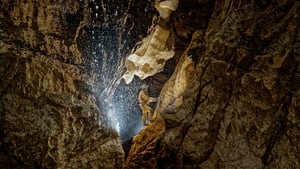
<point x="113" y="33"/>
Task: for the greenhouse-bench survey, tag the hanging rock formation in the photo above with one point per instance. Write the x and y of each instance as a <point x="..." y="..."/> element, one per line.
<point x="150" y="58"/>
<point x="228" y="98"/>
<point x="233" y="99"/>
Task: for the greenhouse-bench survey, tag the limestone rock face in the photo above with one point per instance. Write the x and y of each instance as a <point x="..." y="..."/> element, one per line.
<point x="150" y="58"/>
<point x="233" y="99"/>
<point x="49" y="116"/>
<point x="229" y="97"/>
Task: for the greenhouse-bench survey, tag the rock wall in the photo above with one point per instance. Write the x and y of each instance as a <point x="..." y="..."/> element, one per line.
<point x="49" y="115"/>
<point x="233" y="99"/>
<point x="230" y="97"/>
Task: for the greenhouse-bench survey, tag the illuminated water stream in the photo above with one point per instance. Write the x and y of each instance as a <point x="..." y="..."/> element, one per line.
<point x="111" y="37"/>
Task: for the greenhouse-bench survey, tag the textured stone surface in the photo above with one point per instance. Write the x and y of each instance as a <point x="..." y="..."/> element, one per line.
<point x="239" y="108"/>
<point x="49" y="116"/>
<point x="150" y="57"/>
<point x="232" y="101"/>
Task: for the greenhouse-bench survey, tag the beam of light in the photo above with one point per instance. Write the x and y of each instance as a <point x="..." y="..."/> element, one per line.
<point x="138" y="127"/>
<point x="118" y="108"/>
<point x="115" y="124"/>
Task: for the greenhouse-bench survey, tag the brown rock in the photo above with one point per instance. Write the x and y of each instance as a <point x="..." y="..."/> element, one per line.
<point x="232" y="100"/>
<point x="238" y="107"/>
<point x="49" y="117"/>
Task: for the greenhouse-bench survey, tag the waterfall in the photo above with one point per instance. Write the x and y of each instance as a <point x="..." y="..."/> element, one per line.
<point x="112" y="35"/>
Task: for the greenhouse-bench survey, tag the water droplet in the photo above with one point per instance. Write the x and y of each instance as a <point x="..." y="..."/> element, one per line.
<point x="97" y="7"/>
<point x="96" y="15"/>
<point x="93" y="32"/>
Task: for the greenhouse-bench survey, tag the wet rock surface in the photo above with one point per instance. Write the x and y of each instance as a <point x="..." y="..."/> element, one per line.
<point x="234" y="106"/>
<point x="51" y="113"/>
<point x="229" y="98"/>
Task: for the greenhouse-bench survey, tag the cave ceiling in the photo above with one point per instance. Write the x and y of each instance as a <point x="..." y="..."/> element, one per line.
<point x="149" y="84"/>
